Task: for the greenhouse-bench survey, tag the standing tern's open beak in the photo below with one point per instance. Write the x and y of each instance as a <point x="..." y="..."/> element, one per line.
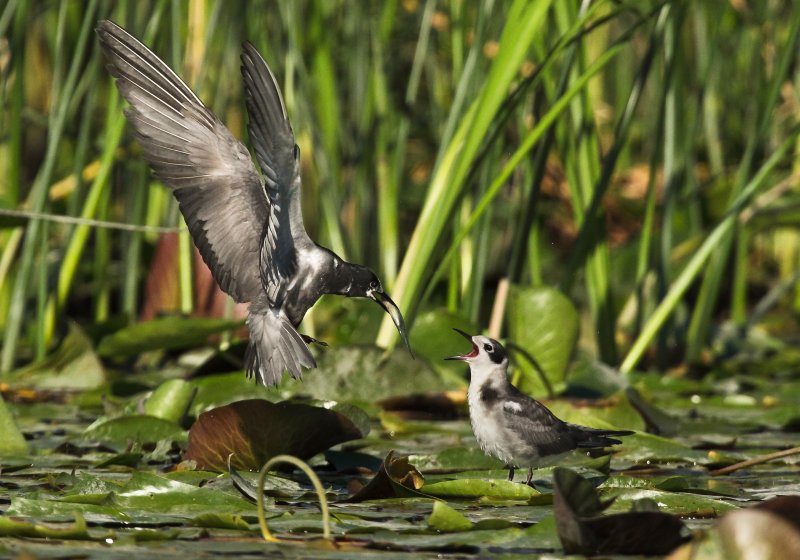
<point x="473" y="352"/>
<point x="394" y="312"/>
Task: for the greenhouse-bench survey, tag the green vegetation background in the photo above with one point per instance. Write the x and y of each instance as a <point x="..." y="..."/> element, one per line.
<point x="616" y="175"/>
<point x="636" y="155"/>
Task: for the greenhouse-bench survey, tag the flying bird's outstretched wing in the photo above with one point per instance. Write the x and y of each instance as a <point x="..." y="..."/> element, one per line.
<point x="279" y="158"/>
<point x="193" y="153"/>
<point x="213" y="177"/>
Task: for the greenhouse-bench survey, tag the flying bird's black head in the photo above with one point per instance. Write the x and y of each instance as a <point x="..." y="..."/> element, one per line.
<point x="365" y="283"/>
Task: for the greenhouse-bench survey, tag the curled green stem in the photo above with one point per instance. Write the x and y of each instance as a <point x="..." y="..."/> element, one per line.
<point x="303" y="466"/>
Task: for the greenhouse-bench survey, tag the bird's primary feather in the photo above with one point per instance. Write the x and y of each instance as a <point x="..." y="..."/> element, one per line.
<point x="279" y="159"/>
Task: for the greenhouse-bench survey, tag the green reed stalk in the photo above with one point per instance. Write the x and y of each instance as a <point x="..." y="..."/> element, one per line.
<point x="524" y="21"/>
<point x="38" y="194"/>
<point x="696" y="264"/>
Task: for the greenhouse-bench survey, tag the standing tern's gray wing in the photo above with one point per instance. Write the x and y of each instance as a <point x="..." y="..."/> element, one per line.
<point x="191" y="151"/>
<point x="537" y="425"/>
<point x="279" y="158"/>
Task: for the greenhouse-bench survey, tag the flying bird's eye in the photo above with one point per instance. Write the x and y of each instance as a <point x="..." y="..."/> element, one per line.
<point x="488" y="348"/>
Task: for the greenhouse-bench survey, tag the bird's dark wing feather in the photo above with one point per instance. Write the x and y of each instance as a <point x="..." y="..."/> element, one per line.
<point x="594" y="437"/>
<point x="541" y="427"/>
<point x="211" y="174"/>
<point x="279" y="158"/>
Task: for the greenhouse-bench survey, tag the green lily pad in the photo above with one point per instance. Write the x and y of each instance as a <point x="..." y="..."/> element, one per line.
<point x="221" y="521"/>
<point x="456" y="458"/>
<point x="225" y="388"/>
<point x="15" y="528"/>
<point x="60" y="511"/>
<point x="447" y="520"/>
<point x="162" y="334"/>
<point x="140" y="428"/>
<point x="545" y="323"/>
<point x="479" y="488"/>
<point x="433" y="338"/>
<point x="681" y="503"/>
<point x="170" y="400"/>
<point x="366" y="374"/>
<point x="74" y="366"/>
<point x="12" y="442"/>
<point x="151" y="492"/>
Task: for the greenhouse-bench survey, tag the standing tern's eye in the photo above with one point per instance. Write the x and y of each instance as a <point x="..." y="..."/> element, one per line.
<point x="488" y="348"/>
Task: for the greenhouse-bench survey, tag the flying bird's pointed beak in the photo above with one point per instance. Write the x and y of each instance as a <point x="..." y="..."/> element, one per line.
<point x="473" y="352"/>
<point x="394" y="312"/>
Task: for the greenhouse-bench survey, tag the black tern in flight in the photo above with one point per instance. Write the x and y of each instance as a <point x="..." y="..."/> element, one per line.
<point x="248" y="228"/>
<point x="510" y="425"/>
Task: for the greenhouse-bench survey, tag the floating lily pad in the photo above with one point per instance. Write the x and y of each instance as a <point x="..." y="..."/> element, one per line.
<point x="256" y="430"/>
<point x="446" y="519"/>
<point x="16" y="528"/>
<point x="162" y="334"/>
<point x="73" y="366"/>
<point x="545" y="323"/>
<point x="140" y="428"/>
<point x="583" y="529"/>
<point x="365" y="373"/>
<point x="479" y="488"/>
<point x="396" y="478"/>
<point x="12" y="442"/>
<point x="433" y="338"/>
<point x="170" y="400"/>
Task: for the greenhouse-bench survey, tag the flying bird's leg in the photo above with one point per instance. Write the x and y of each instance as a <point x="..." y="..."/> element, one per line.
<point x="510" y="474"/>
<point x="309" y="340"/>
<point x="530" y="476"/>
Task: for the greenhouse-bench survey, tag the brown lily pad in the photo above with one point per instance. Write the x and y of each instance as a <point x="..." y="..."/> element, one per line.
<point x="396" y="478"/>
<point x="256" y="430"/>
<point x="583" y="529"/>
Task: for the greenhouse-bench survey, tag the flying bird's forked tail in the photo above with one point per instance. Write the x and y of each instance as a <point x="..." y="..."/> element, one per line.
<point x="275" y="346"/>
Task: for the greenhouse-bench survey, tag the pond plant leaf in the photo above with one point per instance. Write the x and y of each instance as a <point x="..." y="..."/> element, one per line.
<point x="396" y="478"/>
<point x="770" y="529"/>
<point x="141" y="428"/>
<point x="165" y="333"/>
<point x="16" y="528"/>
<point x="544" y="322"/>
<point x="447" y="519"/>
<point x="73" y="366"/>
<point x="656" y="420"/>
<point x="12" y="442"/>
<point x="432" y="337"/>
<point x="170" y="400"/>
<point x="256" y="430"/>
<point x="487" y="489"/>
<point x="151" y="492"/>
<point x="221" y="521"/>
<point x="367" y="374"/>
<point x="583" y="529"/>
